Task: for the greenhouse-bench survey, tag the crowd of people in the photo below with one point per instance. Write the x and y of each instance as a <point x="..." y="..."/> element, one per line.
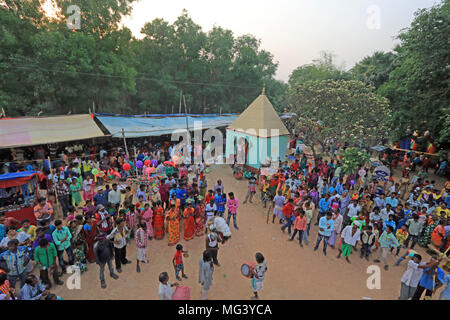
<point x="106" y="202"/>
<point x="357" y="212"/>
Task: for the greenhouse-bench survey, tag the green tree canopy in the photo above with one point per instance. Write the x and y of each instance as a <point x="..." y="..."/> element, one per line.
<point x="348" y="112"/>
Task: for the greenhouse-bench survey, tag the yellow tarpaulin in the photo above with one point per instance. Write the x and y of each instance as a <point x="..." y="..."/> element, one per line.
<point x="42" y="130"/>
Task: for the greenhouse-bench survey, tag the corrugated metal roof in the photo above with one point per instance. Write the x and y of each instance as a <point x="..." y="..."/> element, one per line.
<point x="19" y="132"/>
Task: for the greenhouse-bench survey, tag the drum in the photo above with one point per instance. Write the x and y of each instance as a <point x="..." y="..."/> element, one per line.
<point x="247" y="269"/>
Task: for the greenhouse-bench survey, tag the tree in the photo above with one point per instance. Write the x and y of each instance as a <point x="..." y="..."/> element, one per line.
<point x="353" y="158"/>
<point x="418" y="86"/>
<point x="374" y="69"/>
<point x="346" y="112"/>
<point x="323" y="68"/>
<point x="47" y="67"/>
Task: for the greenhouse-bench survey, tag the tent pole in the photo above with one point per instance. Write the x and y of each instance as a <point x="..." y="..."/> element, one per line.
<point x="181" y="95"/>
<point x="125" y="143"/>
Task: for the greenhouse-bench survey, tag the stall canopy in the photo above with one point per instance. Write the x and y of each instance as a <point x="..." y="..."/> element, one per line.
<point x="156" y="125"/>
<point x="16" y="179"/>
<point x="19" y="132"/>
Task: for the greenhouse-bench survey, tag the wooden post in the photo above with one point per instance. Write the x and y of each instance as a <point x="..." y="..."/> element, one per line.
<point x="125" y="143"/>
<point x="181" y="95"/>
<point x="135" y="168"/>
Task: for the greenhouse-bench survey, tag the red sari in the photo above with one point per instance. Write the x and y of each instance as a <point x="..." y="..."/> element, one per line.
<point x="189" y="228"/>
<point x="90" y="235"/>
<point x="199" y="223"/>
<point x="158" y="223"/>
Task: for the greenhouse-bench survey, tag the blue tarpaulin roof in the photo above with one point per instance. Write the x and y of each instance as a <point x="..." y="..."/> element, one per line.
<point x="156" y="125"/>
<point x="15" y="179"/>
<point x="16" y="175"/>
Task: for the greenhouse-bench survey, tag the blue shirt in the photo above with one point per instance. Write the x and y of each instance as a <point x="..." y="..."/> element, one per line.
<point x="2" y="232"/>
<point x="29" y="292"/>
<point x="326" y="225"/>
<point x="220" y="203"/>
<point x="182" y="195"/>
<point x="389" y="223"/>
<point x="380" y="203"/>
<point x="426" y="280"/>
<point x="324" y="205"/>
<point x="100" y="199"/>
<point x="392" y="201"/>
<point x="446" y="291"/>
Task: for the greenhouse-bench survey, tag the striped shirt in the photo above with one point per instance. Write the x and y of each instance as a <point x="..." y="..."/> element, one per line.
<point x="16" y="260"/>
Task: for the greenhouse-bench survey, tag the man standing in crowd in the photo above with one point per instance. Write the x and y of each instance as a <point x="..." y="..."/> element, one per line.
<point x="61" y="237"/>
<point x="114" y="197"/>
<point x="63" y="197"/>
<point x="104" y="253"/>
<point x="326" y="226"/>
<point x="119" y="237"/>
<point x="205" y="273"/>
<point x="15" y="259"/>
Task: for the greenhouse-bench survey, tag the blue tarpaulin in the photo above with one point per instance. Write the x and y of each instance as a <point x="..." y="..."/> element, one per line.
<point x="15" y="179"/>
<point x="151" y="125"/>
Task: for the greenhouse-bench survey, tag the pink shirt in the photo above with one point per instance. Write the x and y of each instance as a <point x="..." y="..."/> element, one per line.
<point x="233" y="205"/>
<point x="300" y="223"/>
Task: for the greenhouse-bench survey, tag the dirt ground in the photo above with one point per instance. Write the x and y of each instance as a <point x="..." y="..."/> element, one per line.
<point x="293" y="272"/>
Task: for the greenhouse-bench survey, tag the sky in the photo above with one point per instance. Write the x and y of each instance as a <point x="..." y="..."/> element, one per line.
<point x="295" y="31"/>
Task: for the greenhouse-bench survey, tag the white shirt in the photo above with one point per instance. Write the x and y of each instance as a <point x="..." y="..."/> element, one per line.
<point x="412" y="275"/>
<point x="353" y="211"/>
<point x="347" y="235"/>
<point x="385" y="214"/>
<point x="374" y="217"/>
<point x="165" y="291"/>
<point x="338" y="223"/>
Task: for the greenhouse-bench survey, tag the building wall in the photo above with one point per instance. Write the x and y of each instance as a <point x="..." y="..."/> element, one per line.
<point x="259" y="148"/>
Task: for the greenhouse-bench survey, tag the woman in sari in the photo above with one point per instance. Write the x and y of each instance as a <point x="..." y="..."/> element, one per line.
<point x="425" y="239"/>
<point x="188" y="216"/>
<point x="173" y="225"/>
<point x="158" y="221"/>
<point x="147" y="217"/>
<point x="199" y="220"/>
<point x="75" y="191"/>
<point x="438" y="235"/>
<point x="88" y="188"/>
<point x="90" y="232"/>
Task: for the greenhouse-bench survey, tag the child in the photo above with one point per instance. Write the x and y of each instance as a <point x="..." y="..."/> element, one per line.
<point x="209" y="196"/>
<point x="132" y="220"/>
<point x="177" y="262"/>
<point x="401" y="235"/>
<point x="80" y="257"/>
<point x="141" y="238"/>
<point x="221" y="204"/>
<point x="29" y="229"/>
<point x="232" y="205"/>
<point x="367" y="240"/>
<point x="299" y="226"/>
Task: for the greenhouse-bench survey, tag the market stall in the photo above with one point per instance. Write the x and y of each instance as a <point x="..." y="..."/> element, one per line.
<point x="18" y="192"/>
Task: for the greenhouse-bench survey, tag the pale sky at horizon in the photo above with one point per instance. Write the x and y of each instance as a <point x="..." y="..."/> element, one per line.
<point x="295" y="31"/>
